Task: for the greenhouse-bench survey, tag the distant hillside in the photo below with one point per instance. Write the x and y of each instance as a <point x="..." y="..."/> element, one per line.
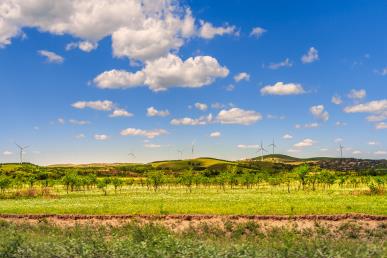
<point x="281" y="158"/>
<point x="203" y="162"/>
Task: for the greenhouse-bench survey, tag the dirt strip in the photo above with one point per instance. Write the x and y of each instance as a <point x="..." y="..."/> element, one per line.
<point x="338" y="217"/>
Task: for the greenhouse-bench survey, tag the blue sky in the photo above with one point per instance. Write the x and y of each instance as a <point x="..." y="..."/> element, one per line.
<point x="77" y="79"/>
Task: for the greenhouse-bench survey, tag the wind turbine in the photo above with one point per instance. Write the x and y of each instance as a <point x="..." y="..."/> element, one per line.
<point x="180" y="154"/>
<point x="131" y="154"/>
<point x="21" y="150"/>
<point x="341" y="150"/>
<point x="193" y="148"/>
<point x="272" y="145"/>
<point x="261" y="149"/>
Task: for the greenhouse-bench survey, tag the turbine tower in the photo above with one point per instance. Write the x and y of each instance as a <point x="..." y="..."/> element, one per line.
<point x="341" y="150"/>
<point x="261" y="149"/>
<point x="21" y="150"/>
<point x="193" y="148"/>
<point x="273" y="146"/>
<point x="180" y="154"/>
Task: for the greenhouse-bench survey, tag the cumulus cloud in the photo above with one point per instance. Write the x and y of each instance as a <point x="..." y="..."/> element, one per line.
<point x="151" y="111"/>
<point x="208" y="31"/>
<point x="152" y="145"/>
<point x="242" y="77"/>
<point x="381" y="125"/>
<point x="319" y="112"/>
<point x="51" y="57"/>
<point x="79" y="122"/>
<point x="287" y="137"/>
<point x="85" y="46"/>
<point x="166" y="72"/>
<point x="250" y="146"/>
<point x="304" y="143"/>
<point x="80" y="136"/>
<point x="285" y="63"/>
<point x="380" y="152"/>
<point x="61" y="121"/>
<point x="101" y="105"/>
<point x="153" y="29"/>
<point x="356" y="152"/>
<point x="340" y="123"/>
<point x="336" y="100"/>
<point x="238" y="116"/>
<point x="382" y="71"/>
<point x="281" y="88"/>
<point x="201" y="106"/>
<point x="337" y="140"/>
<point x="101" y="137"/>
<point x="139" y="132"/>
<point x="120" y="112"/>
<point x="357" y="94"/>
<point x="203" y="120"/>
<point x="7" y="153"/>
<point x="215" y="134"/>
<point x="257" y="32"/>
<point x="381" y="116"/>
<point x="373" y="143"/>
<point x="375" y="106"/>
<point x="311" y="56"/>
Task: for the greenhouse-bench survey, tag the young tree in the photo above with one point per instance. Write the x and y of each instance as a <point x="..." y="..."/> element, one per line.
<point x="302" y="172"/>
<point x="5" y="183"/>
<point x="117" y="183"/>
<point x="156" y="179"/>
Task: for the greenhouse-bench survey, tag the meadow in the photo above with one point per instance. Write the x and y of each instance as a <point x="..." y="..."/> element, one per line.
<point x="202" y="200"/>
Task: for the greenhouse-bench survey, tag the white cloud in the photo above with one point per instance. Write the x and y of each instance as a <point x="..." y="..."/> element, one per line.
<point x="336" y="100"/>
<point x="215" y="134"/>
<point x="152" y="145"/>
<point x="203" y="120"/>
<point x="242" y="77"/>
<point x="281" y="88"/>
<point x="80" y="136"/>
<point x="101" y="137"/>
<point x="382" y="71"/>
<point x="287" y="137"/>
<point x="208" y="31"/>
<point x="85" y="46"/>
<point x="369" y="107"/>
<point x="308" y="125"/>
<point x="102" y="105"/>
<point x="380" y="152"/>
<point x="217" y="105"/>
<point x="356" y="152"/>
<point x="230" y="87"/>
<point x="337" y="140"/>
<point x="357" y="94"/>
<point x="151" y="111"/>
<point x="238" y="116"/>
<point x="120" y="112"/>
<point x="79" y="122"/>
<point x="201" y="106"/>
<point x="304" y="143"/>
<point x="285" y="63"/>
<point x="340" y="123"/>
<point x="257" y="32"/>
<point x="166" y="72"/>
<point x="319" y="112"/>
<point x="244" y="146"/>
<point x="139" y="132"/>
<point x="51" y="57"/>
<point x="7" y="153"/>
<point x="323" y="149"/>
<point x="380" y="116"/>
<point x="311" y="56"/>
<point x="293" y="151"/>
<point x="153" y="29"/>
<point x="61" y="121"/>
<point x="381" y="125"/>
<point x="372" y="143"/>
<point x="271" y="116"/>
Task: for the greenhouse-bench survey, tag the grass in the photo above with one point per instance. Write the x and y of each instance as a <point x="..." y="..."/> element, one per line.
<point x="207" y="240"/>
<point x="201" y="201"/>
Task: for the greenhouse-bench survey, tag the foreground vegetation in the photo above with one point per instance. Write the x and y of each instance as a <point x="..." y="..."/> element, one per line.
<point x="205" y="240"/>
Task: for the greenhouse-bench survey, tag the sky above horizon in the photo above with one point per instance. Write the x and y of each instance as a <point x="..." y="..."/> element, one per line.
<point x="92" y="81"/>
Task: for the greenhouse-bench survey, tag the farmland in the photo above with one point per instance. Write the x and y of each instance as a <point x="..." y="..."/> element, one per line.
<point x="189" y="208"/>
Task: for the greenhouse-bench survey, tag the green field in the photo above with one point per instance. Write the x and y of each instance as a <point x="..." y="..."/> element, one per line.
<point x="177" y="200"/>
